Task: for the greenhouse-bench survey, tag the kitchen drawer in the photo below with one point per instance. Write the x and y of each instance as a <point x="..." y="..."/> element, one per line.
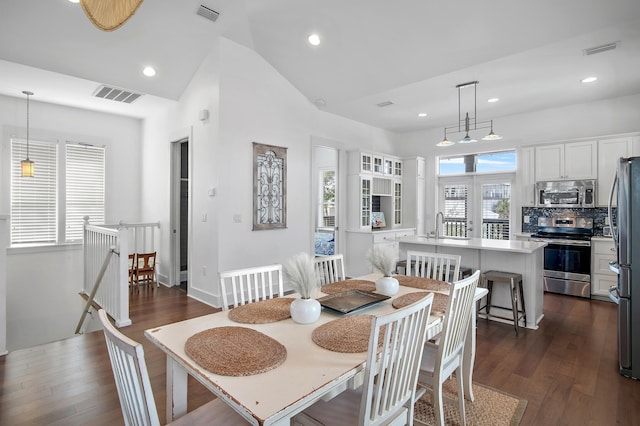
<point x="600" y="264"/>
<point x="603" y="247"/>
<point x="383" y="237"/>
<point x="407" y="233"/>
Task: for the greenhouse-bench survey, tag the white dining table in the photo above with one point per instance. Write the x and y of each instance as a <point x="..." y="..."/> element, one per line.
<point x="309" y="372"/>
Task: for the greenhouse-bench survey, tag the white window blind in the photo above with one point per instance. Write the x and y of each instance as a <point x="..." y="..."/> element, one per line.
<point x="85" y="170"/>
<point x="34" y="199"/>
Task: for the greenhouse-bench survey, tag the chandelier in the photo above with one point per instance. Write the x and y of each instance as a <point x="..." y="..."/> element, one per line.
<point x="26" y="165"/>
<point x="109" y="15"/>
<point x="468" y="123"/>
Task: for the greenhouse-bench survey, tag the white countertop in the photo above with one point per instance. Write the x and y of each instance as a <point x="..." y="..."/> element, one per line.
<point x="513" y="246"/>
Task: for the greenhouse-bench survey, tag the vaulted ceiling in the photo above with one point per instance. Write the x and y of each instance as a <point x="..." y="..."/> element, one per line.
<point x="412" y="53"/>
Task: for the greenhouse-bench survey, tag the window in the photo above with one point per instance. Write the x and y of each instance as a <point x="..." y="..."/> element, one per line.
<point x="492" y="162"/>
<point x="476" y="189"/>
<point x="328" y="191"/>
<point x="85" y="188"/>
<point x="34" y="204"/>
<point x="69" y="183"/>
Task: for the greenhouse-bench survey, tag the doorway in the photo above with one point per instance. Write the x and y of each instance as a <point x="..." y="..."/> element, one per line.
<point x="180" y="214"/>
<point x="326" y="199"/>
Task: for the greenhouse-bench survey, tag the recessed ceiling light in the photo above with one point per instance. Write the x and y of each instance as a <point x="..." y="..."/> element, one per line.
<point x="149" y="71"/>
<point x="314" y="39"/>
<point x="74" y="1"/>
<point x="589" y="79"/>
<point x="493" y="100"/>
<point x="422" y="114"/>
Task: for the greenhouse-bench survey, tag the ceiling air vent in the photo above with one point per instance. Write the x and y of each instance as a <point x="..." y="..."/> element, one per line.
<point x="115" y="94"/>
<point x="205" y="12"/>
<point x="384" y="104"/>
<point x="600" y="49"/>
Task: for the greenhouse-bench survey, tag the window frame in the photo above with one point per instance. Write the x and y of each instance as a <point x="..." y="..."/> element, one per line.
<point x="61" y="187"/>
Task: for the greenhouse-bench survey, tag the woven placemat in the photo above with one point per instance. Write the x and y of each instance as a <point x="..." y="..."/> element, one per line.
<point x="265" y="311"/>
<point x="235" y="351"/>
<point x="340" y="286"/>
<point x="349" y="335"/>
<point x="422" y="283"/>
<point x="440" y="301"/>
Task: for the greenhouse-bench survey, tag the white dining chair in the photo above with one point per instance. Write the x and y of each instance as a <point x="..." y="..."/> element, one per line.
<point x="388" y="391"/>
<point x="440" y="361"/>
<point x="329" y="269"/>
<point x="438" y="266"/>
<point x="134" y="387"/>
<point x="251" y="285"/>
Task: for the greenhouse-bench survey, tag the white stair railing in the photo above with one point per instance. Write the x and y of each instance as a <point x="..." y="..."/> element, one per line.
<point x="112" y="292"/>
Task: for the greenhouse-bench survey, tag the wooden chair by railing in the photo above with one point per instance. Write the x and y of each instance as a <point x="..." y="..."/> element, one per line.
<point x="145" y="270"/>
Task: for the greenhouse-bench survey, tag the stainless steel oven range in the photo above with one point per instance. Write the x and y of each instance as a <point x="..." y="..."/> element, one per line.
<point x="567" y="256"/>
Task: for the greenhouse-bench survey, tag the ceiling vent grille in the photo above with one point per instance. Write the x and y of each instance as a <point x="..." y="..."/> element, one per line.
<point x="115" y="94"/>
<point x="205" y="12"/>
<point x="384" y="104"/>
<point x="600" y="49"/>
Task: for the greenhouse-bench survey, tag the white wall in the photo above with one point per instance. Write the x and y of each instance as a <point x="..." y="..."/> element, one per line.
<point x="43" y="283"/>
<point x="248" y="101"/>
<point x="580" y="121"/>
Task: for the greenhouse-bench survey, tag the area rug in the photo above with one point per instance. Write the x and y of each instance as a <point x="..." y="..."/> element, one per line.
<point x="491" y="407"/>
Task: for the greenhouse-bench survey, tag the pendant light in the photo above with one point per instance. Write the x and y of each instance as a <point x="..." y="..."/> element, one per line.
<point x="470" y="123"/>
<point x="27" y="164"/>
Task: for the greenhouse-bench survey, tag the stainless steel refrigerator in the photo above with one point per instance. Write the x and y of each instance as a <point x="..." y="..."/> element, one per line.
<point x="626" y="236"/>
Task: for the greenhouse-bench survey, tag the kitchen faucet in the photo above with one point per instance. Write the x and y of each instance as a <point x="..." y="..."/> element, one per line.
<point x="439" y="224"/>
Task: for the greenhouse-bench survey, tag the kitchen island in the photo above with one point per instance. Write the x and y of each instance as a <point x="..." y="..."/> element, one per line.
<point x="522" y="257"/>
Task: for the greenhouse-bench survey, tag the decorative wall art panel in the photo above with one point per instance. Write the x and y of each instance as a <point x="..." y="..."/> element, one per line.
<point x="269" y="187"/>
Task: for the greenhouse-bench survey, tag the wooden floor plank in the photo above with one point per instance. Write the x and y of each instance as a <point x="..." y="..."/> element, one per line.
<point x="567" y="369"/>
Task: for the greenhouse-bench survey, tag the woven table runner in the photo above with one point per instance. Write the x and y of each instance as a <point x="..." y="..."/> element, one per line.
<point x="265" y="311"/>
<point x="422" y="283"/>
<point x="348" y="335"/>
<point x="235" y="351"/>
<point x="440" y="301"/>
<point x="340" y="286"/>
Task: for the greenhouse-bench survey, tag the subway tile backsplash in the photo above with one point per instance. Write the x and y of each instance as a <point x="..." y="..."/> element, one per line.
<point x="598" y="214"/>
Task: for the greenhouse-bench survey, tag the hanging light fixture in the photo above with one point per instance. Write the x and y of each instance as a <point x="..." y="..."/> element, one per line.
<point x="27" y="164"/>
<point x="109" y="15"/>
<point x="468" y="123"/>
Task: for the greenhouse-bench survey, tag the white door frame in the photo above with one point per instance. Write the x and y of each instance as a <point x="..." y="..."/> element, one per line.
<point x="174" y="220"/>
<point x="341" y="190"/>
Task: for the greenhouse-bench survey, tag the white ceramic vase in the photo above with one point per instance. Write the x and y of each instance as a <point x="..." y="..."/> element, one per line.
<point x="388" y="286"/>
<point x="305" y="311"/>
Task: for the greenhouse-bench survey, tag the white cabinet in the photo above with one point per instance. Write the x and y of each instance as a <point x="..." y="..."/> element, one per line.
<point x="609" y="151"/>
<point x="359" y="243"/>
<point x="378" y="164"/>
<point x="602" y="252"/>
<point x="527" y="176"/>
<point x="577" y="160"/>
<point x="413" y="201"/>
<point x="359" y="201"/>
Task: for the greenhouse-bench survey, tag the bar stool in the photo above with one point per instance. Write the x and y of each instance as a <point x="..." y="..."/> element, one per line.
<point x="491" y="277"/>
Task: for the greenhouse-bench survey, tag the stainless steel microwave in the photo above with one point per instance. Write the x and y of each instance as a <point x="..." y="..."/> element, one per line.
<point x="566" y="193"/>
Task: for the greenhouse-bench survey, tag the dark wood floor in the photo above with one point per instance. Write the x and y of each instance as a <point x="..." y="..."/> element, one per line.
<point x="567" y="370"/>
